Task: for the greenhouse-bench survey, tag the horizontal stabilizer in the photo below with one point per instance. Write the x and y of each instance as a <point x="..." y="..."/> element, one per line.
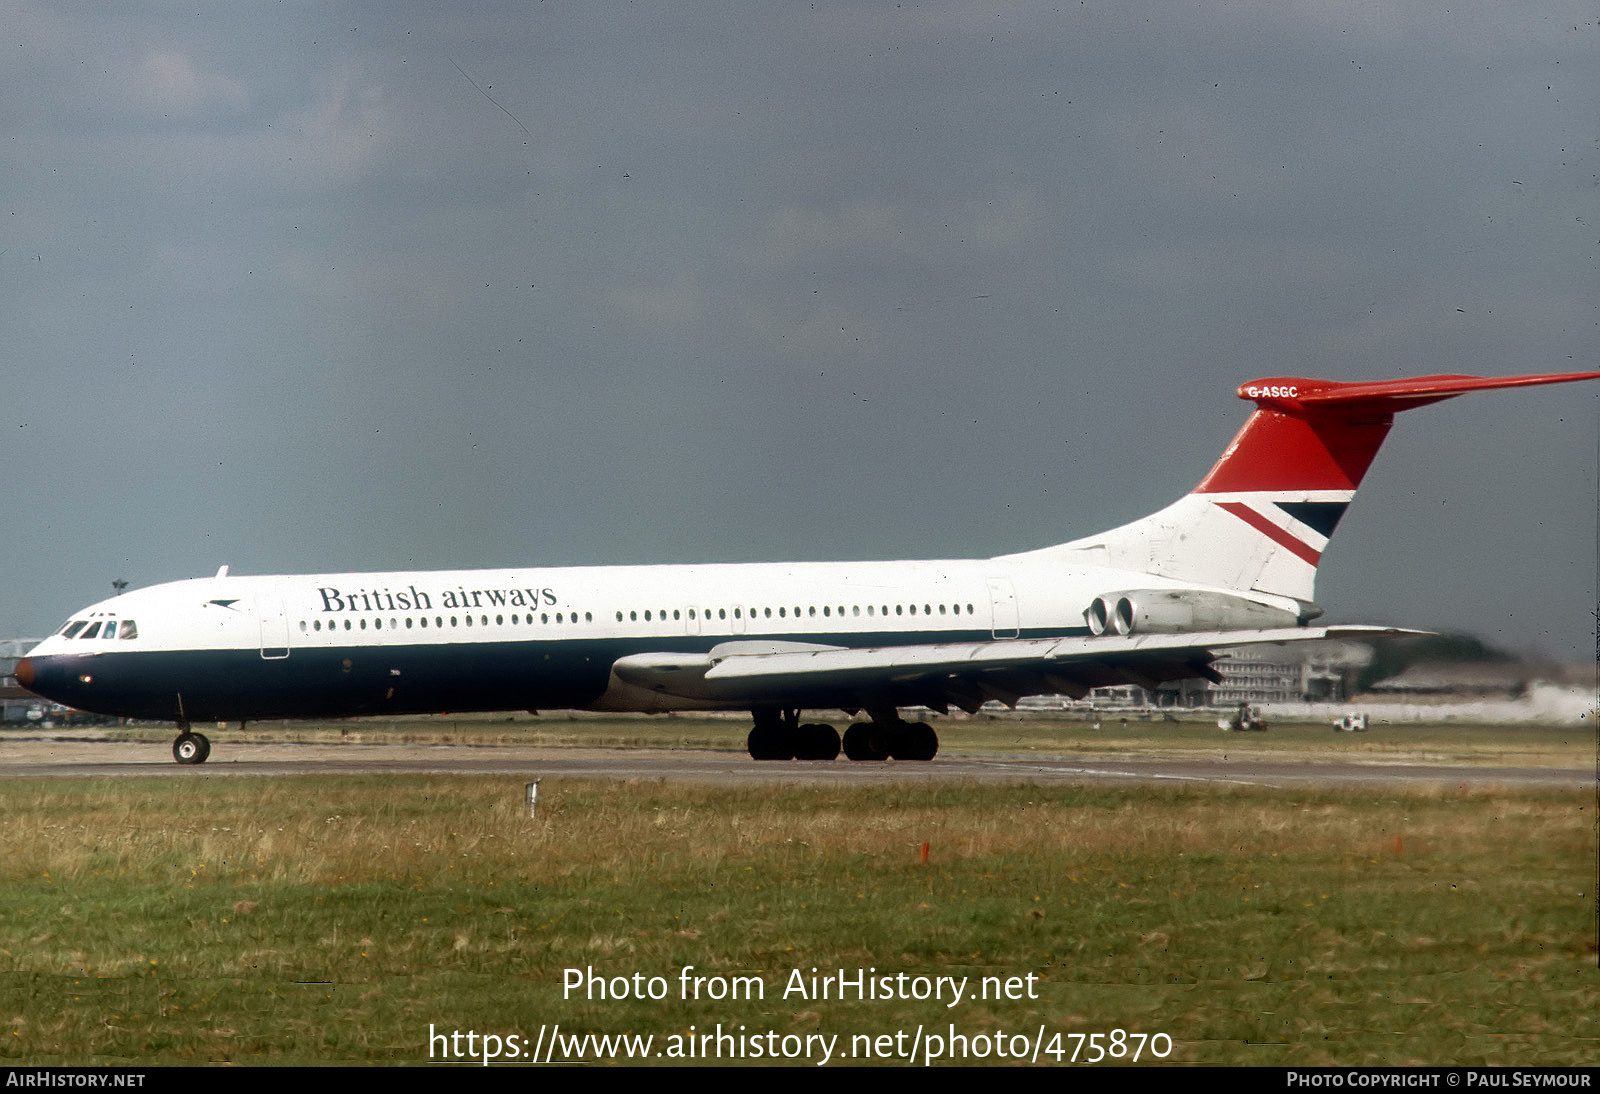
<point x="1292" y="393"/>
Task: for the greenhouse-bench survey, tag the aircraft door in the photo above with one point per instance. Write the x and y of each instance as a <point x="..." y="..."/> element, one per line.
<point x="691" y="621"/>
<point x="274" y="627"/>
<point x="1002" y="608"/>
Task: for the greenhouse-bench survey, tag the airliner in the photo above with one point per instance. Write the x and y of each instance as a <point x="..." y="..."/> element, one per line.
<point x="1232" y="563"/>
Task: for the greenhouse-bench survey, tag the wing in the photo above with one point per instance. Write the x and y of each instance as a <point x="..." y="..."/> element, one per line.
<point x="964" y="675"/>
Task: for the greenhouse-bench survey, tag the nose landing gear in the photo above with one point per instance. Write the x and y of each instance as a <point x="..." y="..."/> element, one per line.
<point x="191" y="748"/>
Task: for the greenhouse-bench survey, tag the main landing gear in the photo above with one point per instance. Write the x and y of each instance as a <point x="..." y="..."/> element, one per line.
<point x="779" y="735"/>
<point x="894" y="740"/>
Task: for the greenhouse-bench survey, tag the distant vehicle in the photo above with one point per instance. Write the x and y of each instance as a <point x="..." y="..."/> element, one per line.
<point x="1232" y="563"/>
<point x="1247" y="719"/>
<point x="1354" y="722"/>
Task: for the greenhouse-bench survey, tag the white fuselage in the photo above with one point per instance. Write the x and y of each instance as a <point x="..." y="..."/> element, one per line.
<point x="235" y="647"/>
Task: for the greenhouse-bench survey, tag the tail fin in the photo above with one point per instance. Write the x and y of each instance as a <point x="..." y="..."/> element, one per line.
<point x="1260" y="520"/>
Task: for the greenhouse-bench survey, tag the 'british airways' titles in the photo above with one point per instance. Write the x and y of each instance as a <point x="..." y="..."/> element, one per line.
<point x="414" y="599"/>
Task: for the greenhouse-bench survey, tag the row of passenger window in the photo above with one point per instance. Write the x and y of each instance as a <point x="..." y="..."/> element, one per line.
<point x="107" y="628"/>
<point x="827" y="611"/>
<point x="439" y="621"/>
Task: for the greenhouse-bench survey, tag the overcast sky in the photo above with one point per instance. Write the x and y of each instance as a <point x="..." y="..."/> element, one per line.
<point x="327" y="287"/>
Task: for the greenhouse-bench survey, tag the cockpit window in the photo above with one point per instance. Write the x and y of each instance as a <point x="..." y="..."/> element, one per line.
<point x="111" y="630"/>
<point x="94" y="629"/>
<point x="130" y="629"/>
<point x="73" y="628"/>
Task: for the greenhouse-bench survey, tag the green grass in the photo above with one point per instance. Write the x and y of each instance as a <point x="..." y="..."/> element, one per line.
<point x="1112" y="735"/>
<point x="322" y="920"/>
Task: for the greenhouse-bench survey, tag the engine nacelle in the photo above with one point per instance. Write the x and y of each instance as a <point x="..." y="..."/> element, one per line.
<point x="1171" y="611"/>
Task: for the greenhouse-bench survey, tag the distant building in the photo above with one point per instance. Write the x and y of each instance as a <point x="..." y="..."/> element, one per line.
<point x="1299" y="672"/>
<point x="1306" y="672"/>
<point x="1452" y="681"/>
<point x="15" y="701"/>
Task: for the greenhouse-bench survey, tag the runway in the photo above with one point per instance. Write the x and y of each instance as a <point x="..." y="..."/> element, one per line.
<point x="66" y="757"/>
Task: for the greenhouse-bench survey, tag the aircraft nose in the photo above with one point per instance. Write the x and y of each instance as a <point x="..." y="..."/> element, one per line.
<point x="24" y="672"/>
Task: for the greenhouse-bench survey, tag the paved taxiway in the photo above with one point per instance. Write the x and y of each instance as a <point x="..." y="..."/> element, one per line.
<point x="44" y="757"/>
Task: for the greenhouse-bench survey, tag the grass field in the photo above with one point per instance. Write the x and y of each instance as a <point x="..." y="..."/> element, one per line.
<point x="1112" y="735"/>
<point x="323" y="920"/>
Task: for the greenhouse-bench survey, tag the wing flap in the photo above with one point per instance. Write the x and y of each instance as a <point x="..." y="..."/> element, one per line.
<point x="955" y="674"/>
<point x="1041" y="653"/>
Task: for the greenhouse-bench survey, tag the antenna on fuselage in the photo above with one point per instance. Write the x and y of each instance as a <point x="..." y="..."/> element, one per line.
<point x="223" y="572"/>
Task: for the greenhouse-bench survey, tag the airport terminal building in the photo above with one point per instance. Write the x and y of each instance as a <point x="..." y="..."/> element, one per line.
<point x="14" y="701"/>
<point x="1306" y="672"/>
